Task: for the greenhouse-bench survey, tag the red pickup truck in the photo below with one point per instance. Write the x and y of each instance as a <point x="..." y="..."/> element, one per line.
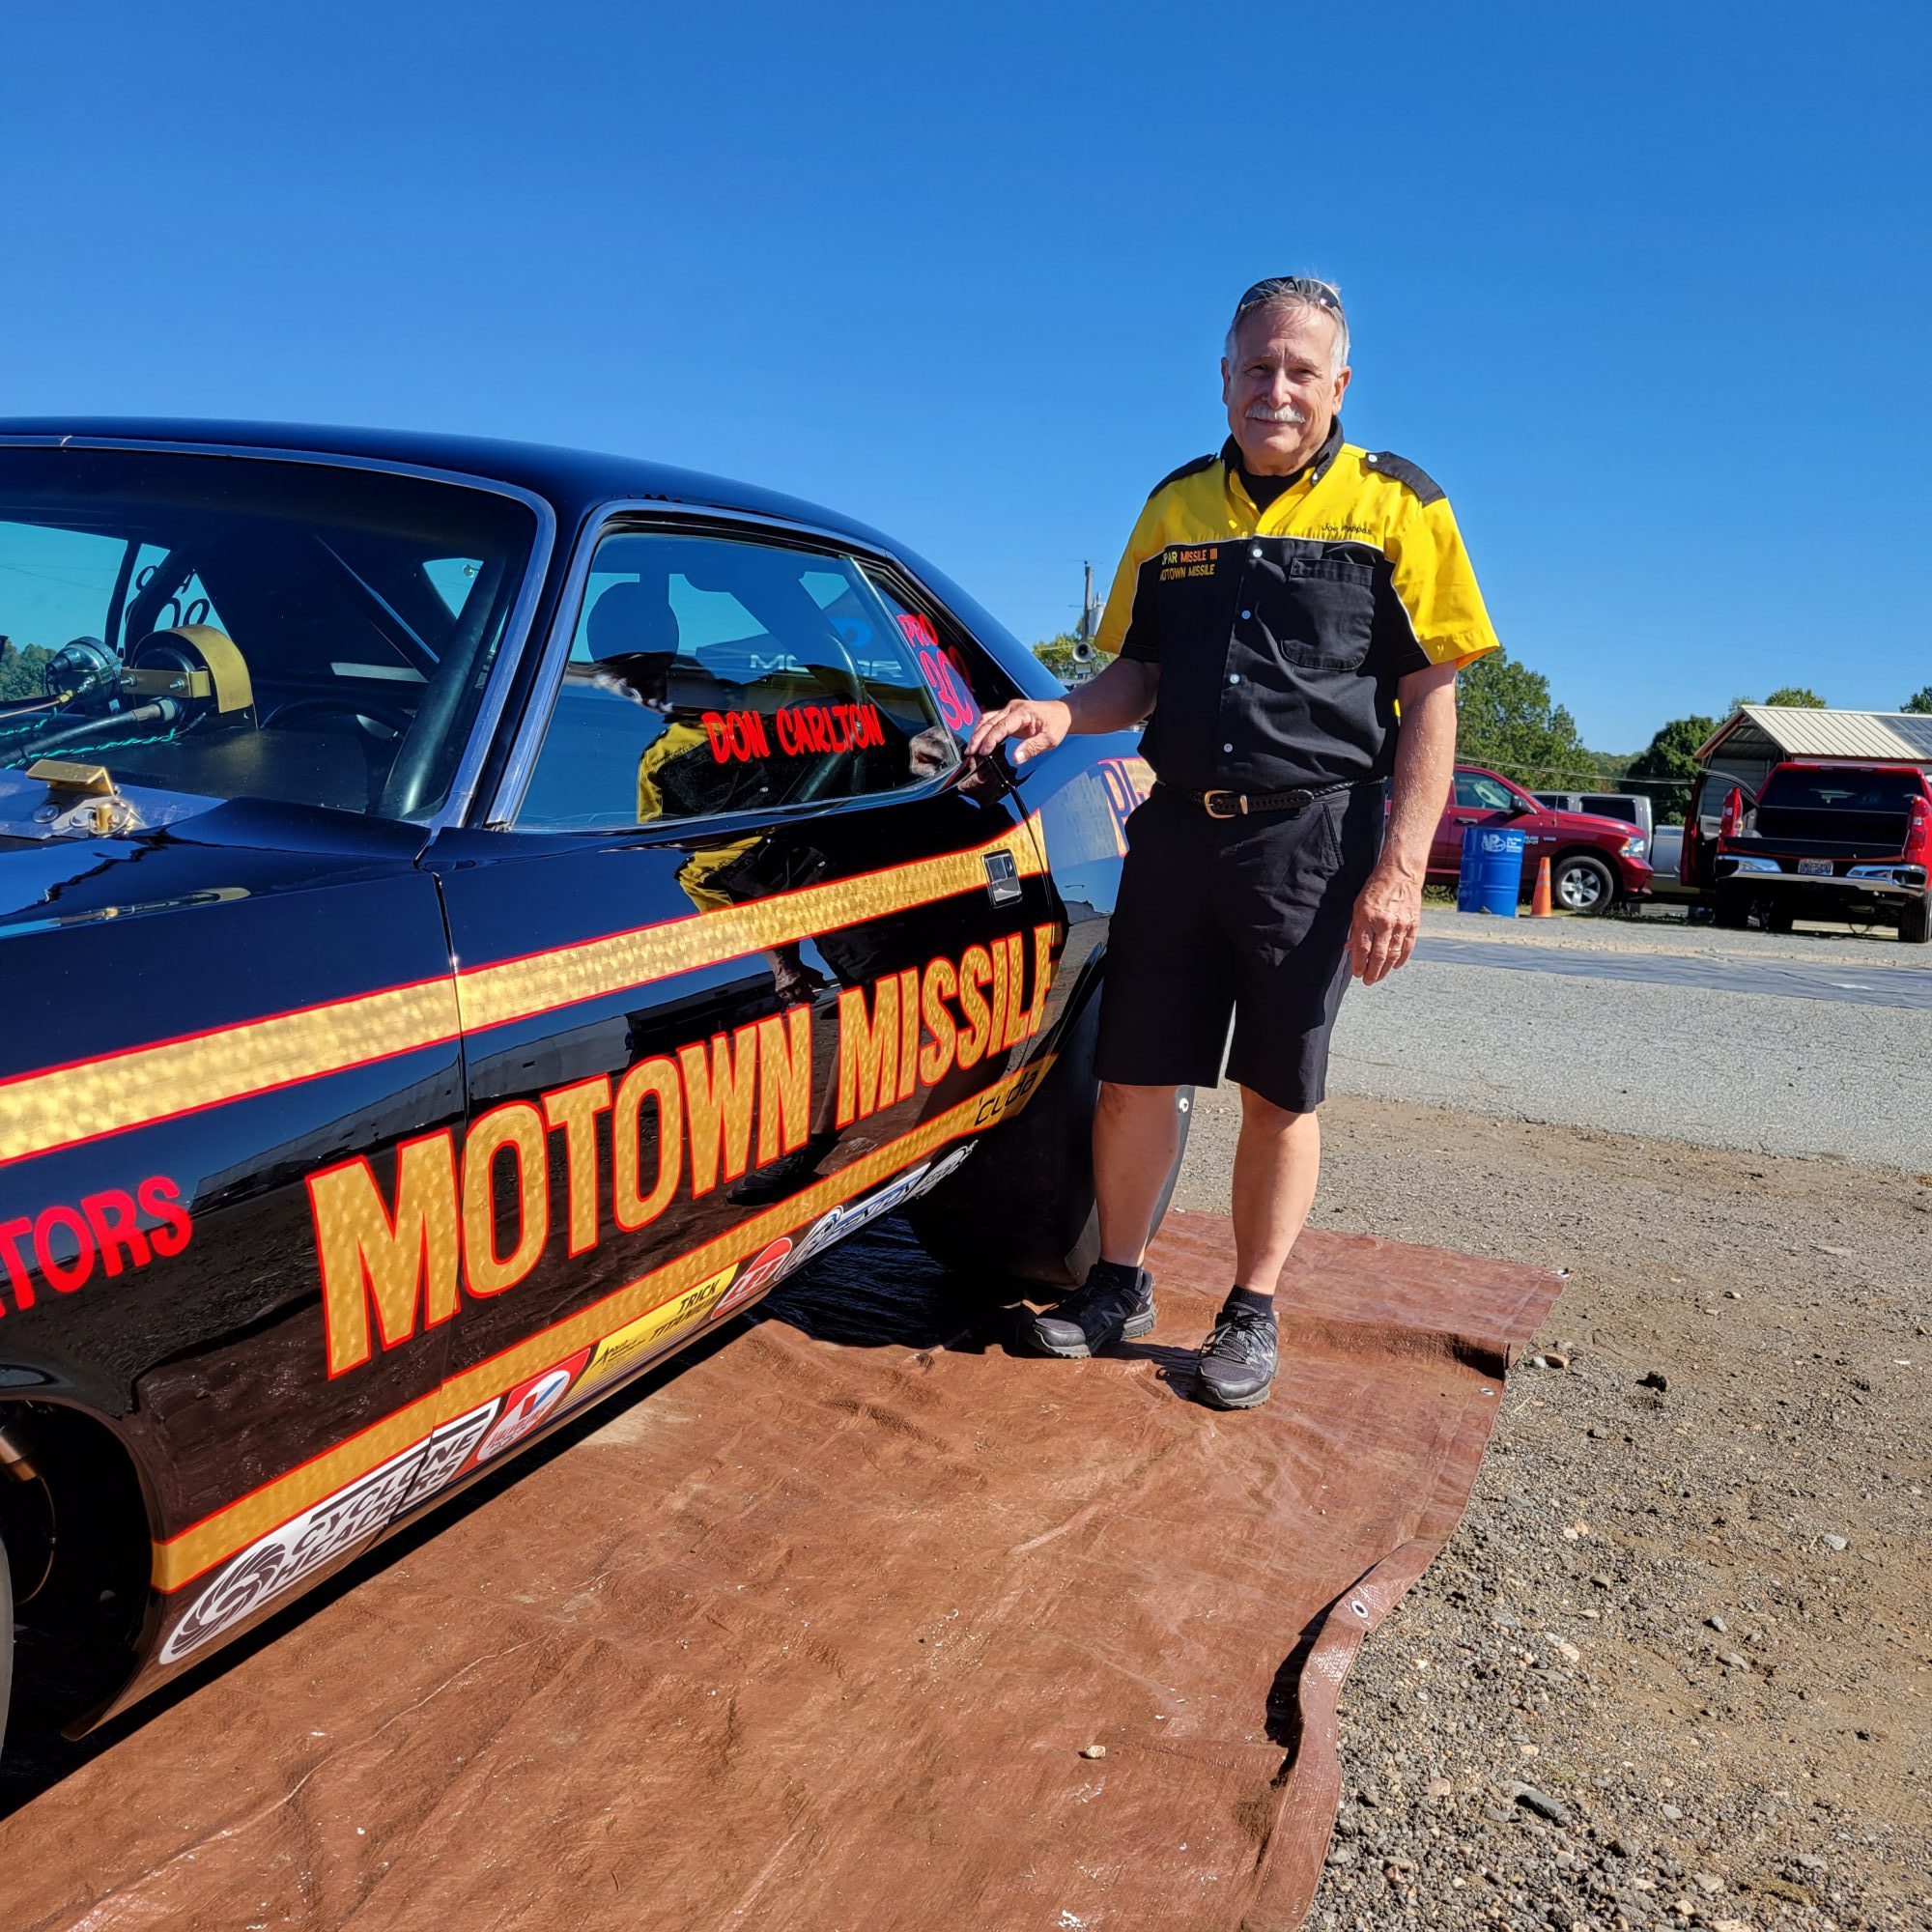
<point x="1824" y="840"/>
<point x="1595" y="863"/>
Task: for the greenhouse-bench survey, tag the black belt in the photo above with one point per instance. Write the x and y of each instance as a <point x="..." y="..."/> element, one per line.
<point x="1245" y="804"/>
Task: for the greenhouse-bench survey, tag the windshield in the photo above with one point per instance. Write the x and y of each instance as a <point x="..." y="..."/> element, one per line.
<point x="233" y="627"/>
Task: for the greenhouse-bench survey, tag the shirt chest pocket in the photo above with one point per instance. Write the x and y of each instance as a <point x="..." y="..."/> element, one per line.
<point x="1318" y="611"/>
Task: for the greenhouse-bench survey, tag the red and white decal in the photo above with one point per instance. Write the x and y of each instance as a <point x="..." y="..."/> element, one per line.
<point x="760" y="1271"/>
<point x="530" y="1405"/>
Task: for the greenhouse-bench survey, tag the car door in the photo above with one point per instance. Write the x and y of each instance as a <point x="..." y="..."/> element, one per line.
<point x="1462" y="809"/>
<point x="1479" y="799"/>
<point x="750" y="953"/>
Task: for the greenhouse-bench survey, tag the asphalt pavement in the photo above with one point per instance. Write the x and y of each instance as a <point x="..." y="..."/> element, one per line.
<point x="1789" y="1044"/>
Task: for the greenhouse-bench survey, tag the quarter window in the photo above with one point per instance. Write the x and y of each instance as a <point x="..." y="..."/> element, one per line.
<point x="942" y="668"/>
<point x="709" y="675"/>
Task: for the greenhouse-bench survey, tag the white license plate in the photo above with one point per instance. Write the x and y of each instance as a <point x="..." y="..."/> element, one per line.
<point x="1820" y="868"/>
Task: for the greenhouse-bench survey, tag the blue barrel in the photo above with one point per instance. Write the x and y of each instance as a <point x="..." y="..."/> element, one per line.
<point x="1491" y="876"/>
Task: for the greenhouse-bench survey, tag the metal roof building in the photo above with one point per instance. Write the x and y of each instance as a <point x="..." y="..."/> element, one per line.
<point x="1757" y="736"/>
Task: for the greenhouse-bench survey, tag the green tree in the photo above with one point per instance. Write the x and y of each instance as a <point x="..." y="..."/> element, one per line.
<point x="20" y="669"/>
<point x="1606" y="768"/>
<point x="1786" y="693"/>
<point x="1673" y="754"/>
<point x="1057" y="655"/>
<point x="1920" y="702"/>
<point x="1506" y="720"/>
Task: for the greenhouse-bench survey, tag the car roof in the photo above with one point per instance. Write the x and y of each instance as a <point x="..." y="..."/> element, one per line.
<point x="572" y="480"/>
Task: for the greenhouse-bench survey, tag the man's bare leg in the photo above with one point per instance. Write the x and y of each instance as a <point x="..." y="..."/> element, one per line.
<point x="1136" y="1136"/>
<point x="1135" y="1141"/>
<point x="1277" y="1162"/>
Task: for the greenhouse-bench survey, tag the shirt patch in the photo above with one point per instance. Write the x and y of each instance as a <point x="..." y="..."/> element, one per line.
<point x="1179" y="560"/>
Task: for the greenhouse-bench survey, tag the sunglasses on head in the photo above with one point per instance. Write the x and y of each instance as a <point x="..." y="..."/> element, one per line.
<point x="1308" y="286"/>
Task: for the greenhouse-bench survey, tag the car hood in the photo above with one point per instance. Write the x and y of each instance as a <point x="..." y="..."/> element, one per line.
<point x="232" y="850"/>
<point x="1592" y="822"/>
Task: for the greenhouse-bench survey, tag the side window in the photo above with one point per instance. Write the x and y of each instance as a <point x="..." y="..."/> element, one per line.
<point x="1477" y="794"/>
<point x="947" y="674"/>
<point x="709" y="675"/>
<point x="1608" y="807"/>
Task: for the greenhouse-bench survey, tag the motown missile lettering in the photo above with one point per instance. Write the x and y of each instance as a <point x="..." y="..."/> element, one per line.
<point x="398" y="1259"/>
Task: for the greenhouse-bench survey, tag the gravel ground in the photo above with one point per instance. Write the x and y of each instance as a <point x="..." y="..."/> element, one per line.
<point x="1675" y="1667"/>
<point x="1721" y="1067"/>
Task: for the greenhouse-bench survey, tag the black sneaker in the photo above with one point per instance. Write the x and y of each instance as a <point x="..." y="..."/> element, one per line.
<point x="1116" y="1305"/>
<point x="1238" y="1365"/>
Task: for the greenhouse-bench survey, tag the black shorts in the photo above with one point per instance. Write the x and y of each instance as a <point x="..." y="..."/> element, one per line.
<point x="1241" y="916"/>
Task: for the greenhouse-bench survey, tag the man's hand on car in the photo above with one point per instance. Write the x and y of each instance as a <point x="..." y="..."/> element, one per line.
<point x="1381" y="935"/>
<point x="1039" y="723"/>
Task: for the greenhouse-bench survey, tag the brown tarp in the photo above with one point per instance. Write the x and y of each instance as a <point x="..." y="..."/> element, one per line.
<point x="815" y="1633"/>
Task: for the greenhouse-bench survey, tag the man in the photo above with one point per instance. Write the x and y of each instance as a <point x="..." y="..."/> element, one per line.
<point x="1289" y="616"/>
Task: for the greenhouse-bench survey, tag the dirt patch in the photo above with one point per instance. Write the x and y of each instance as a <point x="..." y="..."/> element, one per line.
<point x="1691" y="1618"/>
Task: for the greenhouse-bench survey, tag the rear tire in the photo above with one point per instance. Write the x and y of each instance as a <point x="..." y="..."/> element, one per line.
<point x="1731" y="911"/>
<point x="1777" y="922"/>
<point x="1580" y="881"/>
<point x="1915" y="923"/>
<point x="1023" y="1205"/>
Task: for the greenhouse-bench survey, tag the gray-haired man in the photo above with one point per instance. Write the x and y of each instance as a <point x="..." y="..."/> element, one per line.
<point x="1289" y="617"/>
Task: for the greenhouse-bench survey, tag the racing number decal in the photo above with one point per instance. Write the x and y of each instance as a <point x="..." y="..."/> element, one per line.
<point x="942" y="671"/>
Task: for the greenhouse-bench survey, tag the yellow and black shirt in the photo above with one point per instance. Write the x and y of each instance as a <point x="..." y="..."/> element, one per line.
<point x="1281" y="630"/>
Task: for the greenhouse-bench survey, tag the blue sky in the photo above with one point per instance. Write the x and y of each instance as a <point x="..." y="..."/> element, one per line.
<point x="1646" y="287"/>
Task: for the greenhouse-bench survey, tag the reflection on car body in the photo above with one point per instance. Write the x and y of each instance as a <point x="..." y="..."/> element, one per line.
<point x="474" y="918"/>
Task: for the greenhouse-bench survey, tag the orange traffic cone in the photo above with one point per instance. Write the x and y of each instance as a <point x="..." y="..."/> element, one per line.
<point x="1540" y="906"/>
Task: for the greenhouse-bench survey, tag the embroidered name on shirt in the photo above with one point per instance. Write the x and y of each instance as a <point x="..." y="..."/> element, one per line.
<point x="1197" y="561"/>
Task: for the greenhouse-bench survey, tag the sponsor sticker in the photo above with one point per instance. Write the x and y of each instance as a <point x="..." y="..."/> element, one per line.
<point x="622" y="1349"/>
<point x="530" y="1406"/>
<point x="849" y="1216"/>
<point x="349" y="1520"/>
<point x="763" y="1269"/>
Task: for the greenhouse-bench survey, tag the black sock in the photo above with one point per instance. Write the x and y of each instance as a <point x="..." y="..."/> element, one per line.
<point x="1106" y="1273"/>
<point x="1246" y="1298"/>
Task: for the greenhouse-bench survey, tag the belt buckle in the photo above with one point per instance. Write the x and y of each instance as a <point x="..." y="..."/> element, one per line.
<point x="1208" y="805"/>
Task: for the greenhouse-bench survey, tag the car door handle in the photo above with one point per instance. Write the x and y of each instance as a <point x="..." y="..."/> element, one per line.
<point x="1003" y="879"/>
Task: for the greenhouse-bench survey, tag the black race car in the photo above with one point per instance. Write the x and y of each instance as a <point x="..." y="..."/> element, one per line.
<point x="471" y="919"/>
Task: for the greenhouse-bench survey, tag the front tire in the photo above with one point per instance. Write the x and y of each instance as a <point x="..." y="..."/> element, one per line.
<point x="1583" y="883"/>
<point x="1023" y="1205"/>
